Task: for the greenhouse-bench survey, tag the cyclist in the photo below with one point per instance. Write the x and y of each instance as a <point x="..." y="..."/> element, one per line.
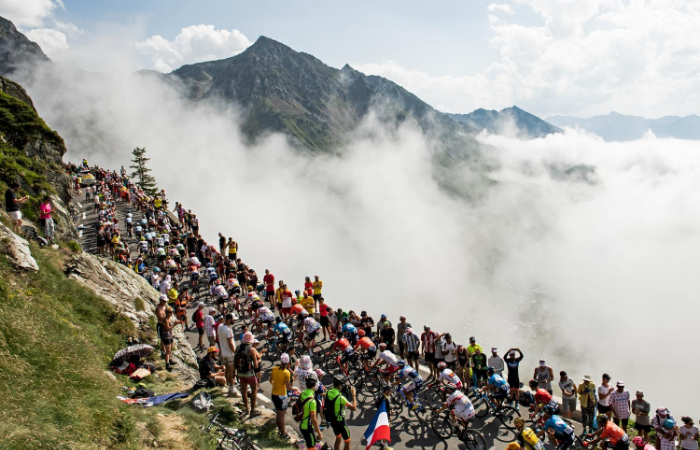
<point x="542" y="397"/>
<point x="312" y="329"/>
<point x="212" y="276"/>
<point x="416" y="381"/>
<point x="219" y="292"/>
<point x="641" y="444"/>
<point x="613" y="437"/>
<point x="389" y="359"/>
<point x="526" y="437"/>
<point x="284" y="332"/>
<point x="496" y="387"/>
<point x="343" y="345"/>
<point x="265" y="317"/>
<point x="365" y="346"/>
<point x="350" y="331"/>
<point x="559" y="430"/>
<point x="462" y="410"/>
<point x="232" y="285"/>
<point x="448" y="376"/>
<point x="143" y="247"/>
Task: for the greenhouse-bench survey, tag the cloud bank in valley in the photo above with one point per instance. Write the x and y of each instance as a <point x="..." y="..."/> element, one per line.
<point x="577" y="250"/>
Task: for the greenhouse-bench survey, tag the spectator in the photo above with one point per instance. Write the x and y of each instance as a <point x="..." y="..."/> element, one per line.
<point x="666" y="435"/>
<point x="400" y="333"/>
<point x="281" y="380"/>
<point x="247" y="360"/>
<point x="620" y="403"/>
<point x="586" y="395"/>
<point x="411" y="343"/>
<point x="367" y="324"/>
<point x="497" y="362"/>
<point x="12" y="204"/>
<point x="568" y="395"/>
<point x="657" y="422"/>
<point x="604" y="391"/>
<point x="209" y="371"/>
<point x="323" y="310"/>
<point x="228" y="351"/>
<point x="513" y="363"/>
<point x="471" y="349"/>
<point x="449" y="351"/>
<point x="199" y="323"/>
<point x="688" y="434"/>
<point x="167" y="336"/>
<point x="463" y="364"/>
<point x="209" y="327"/>
<point x="388" y="336"/>
<point x="641" y="410"/>
<point x="45" y="219"/>
<point x="479" y="365"/>
<point x="544" y="376"/>
<point x="339" y="403"/>
<point x="269" y="281"/>
<point x="428" y="340"/>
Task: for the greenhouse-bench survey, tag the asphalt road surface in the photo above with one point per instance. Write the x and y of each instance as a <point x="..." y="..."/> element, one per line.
<point x="407" y="432"/>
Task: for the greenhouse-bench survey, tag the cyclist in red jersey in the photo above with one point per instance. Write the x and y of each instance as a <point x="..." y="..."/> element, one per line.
<point x="542" y="397"/>
<point x="344" y="346"/>
<point x="365" y="346"/>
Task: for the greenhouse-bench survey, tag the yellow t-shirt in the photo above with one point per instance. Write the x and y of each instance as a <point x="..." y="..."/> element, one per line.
<point x="308" y="303"/>
<point x="157" y="203"/>
<point x="318" y="285"/>
<point x="172" y="294"/>
<point x="472" y="349"/>
<point x="279" y="378"/>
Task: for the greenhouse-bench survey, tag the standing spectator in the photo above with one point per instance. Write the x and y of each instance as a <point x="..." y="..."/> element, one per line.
<point x="317" y="286"/>
<point x="688" y="434"/>
<point x="167" y="336"/>
<point x="228" y="351"/>
<point x="479" y="365"/>
<point x="232" y="247"/>
<point x="657" y="422"/>
<point x="641" y="410"/>
<point x="471" y="350"/>
<point x="586" y="395"/>
<point x="463" y="365"/>
<point x="568" y="395"/>
<point x="222" y="243"/>
<point x="544" y="376"/>
<point x="323" y="318"/>
<point x="400" y="333"/>
<point x="269" y="281"/>
<point x="367" y="323"/>
<point x="666" y="435"/>
<point x="209" y="327"/>
<point x="12" y="204"/>
<point x="388" y="336"/>
<point x="411" y="343"/>
<point x="428" y="341"/>
<point x="281" y="380"/>
<point x="604" y="391"/>
<point x="449" y="351"/>
<point x="246" y="361"/>
<point x="438" y="350"/>
<point x="620" y="403"/>
<point x="199" y="323"/>
<point x="338" y="404"/>
<point x="45" y="218"/>
<point x="497" y="362"/>
<point x="513" y="363"/>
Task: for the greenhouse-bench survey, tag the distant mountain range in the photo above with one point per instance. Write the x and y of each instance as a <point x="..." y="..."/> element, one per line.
<point x="511" y="120"/>
<point x="619" y="127"/>
<point x="16" y="49"/>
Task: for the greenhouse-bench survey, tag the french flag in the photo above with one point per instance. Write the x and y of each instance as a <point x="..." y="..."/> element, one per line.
<point x="378" y="429"/>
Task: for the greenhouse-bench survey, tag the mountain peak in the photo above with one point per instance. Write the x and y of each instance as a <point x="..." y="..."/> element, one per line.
<point x="264" y="42"/>
<point x="16" y="50"/>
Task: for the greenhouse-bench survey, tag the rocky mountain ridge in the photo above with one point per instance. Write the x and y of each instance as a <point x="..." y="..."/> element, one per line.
<point x="512" y="120"/>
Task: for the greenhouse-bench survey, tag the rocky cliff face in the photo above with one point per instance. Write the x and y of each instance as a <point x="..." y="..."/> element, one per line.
<point x="16" y="51"/>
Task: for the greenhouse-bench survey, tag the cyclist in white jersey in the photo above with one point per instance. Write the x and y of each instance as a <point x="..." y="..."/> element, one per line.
<point x="389" y="359"/>
<point x="463" y="408"/>
<point x="447" y="376"/>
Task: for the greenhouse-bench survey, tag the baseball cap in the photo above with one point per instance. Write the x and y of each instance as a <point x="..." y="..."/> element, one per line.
<point x="472" y="339"/>
<point x="542" y="362"/>
<point x="200" y="304"/>
<point x="620" y="383"/>
<point x="494" y="350"/>
<point x="212" y="350"/>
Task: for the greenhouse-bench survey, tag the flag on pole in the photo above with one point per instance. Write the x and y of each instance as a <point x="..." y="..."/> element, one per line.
<point x="378" y="429"/>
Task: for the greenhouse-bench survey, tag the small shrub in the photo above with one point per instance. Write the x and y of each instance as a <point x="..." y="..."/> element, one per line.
<point x="139" y="305"/>
<point x="74" y="246"/>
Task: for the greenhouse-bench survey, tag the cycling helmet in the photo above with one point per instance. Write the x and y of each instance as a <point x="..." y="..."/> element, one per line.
<point x="490" y="370"/>
<point x="639" y="441"/>
<point x="278" y="319"/>
<point x="156" y="270"/>
<point x="208" y="264"/>
<point x="311" y="381"/>
<point x="401" y="363"/>
<point x="441" y="365"/>
<point x="518" y="422"/>
<point x="361" y="333"/>
<point x="669" y="423"/>
<point x="533" y="384"/>
<point x="382" y="346"/>
<point x="449" y="387"/>
<point x="549" y="409"/>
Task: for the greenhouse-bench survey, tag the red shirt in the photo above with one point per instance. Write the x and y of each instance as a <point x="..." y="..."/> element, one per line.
<point x="365" y="343"/>
<point x="269" y="281"/>
<point x="341" y="344"/>
<point x="428" y="338"/>
<point x="199" y="318"/>
<point x="323" y="308"/>
<point x="542" y="396"/>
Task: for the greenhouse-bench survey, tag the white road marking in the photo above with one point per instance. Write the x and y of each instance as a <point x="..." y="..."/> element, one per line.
<point x="263" y="398"/>
<point x="84" y="215"/>
<point x="423" y="368"/>
<point x="80" y="233"/>
<point x="80" y="205"/>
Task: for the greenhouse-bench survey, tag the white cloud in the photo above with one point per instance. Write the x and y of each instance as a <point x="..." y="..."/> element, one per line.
<point x="196" y="43"/>
<point x="29" y="13"/>
<point x="502" y="7"/>
<point x="586" y="58"/>
<point x="52" y="42"/>
<point x="70" y="29"/>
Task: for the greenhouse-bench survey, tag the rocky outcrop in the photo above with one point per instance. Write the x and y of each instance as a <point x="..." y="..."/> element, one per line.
<point x="17" y="250"/>
<point x="16" y="51"/>
<point x="136" y="299"/>
<point x="15" y="90"/>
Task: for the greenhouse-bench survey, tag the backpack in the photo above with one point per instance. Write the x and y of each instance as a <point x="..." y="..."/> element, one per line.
<point x="329" y="407"/>
<point x="142" y="392"/>
<point x="298" y="408"/>
<point x="242" y="360"/>
<point x="202" y="402"/>
<point x="194" y="320"/>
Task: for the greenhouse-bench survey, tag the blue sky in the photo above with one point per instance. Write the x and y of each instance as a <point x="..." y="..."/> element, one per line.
<point x="548" y="56"/>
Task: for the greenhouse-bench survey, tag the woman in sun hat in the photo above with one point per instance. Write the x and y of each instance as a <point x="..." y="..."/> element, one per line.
<point x="586" y="396"/>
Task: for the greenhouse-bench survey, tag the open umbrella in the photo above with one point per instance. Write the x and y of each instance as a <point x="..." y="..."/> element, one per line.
<point x="140" y="350"/>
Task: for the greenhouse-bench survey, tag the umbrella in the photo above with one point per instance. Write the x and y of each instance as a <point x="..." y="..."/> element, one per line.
<point x="139" y="350"/>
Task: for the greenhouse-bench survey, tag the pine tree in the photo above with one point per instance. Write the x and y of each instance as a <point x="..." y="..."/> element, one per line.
<point x="145" y="181"/>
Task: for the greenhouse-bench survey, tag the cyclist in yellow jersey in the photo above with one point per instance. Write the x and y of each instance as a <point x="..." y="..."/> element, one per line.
<point x="526" y="437"/>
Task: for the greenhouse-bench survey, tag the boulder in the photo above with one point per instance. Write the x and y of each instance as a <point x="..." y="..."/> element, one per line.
<point x="17" y="250"/>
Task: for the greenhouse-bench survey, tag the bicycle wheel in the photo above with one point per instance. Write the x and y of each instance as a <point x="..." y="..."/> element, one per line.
<point x="507" y="416"/>
<point x="332" y="366"/>
<point x="355" y="379"/>
<point x="271" y="353"/>
<point x="431" y="397"/>
<point x="482" y="407"/>
<point x="396" y="403"/>
<point x="442" y="425"/>
<point x="422" y="412"/>
<point x="473" y="440"/>
<point x="318" y="354"/>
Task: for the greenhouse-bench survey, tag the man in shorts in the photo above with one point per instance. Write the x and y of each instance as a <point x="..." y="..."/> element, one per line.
<point x="338" y="404"/>
<point x="641" y="409"/>
<point x="411" y="343"/>
<point x="12" y="204"/>
<point x="568" y="395"/>
<point x="428" y="342"/>
<point x="228" y="351"/>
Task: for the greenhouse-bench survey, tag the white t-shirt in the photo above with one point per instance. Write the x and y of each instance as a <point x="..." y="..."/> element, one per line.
<point x="225" y="332"/>
<point x="686" y="433"/>
<point x="300" y="375"/>
<point x="604" y="390"/>
<point x="449" y="351"/>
